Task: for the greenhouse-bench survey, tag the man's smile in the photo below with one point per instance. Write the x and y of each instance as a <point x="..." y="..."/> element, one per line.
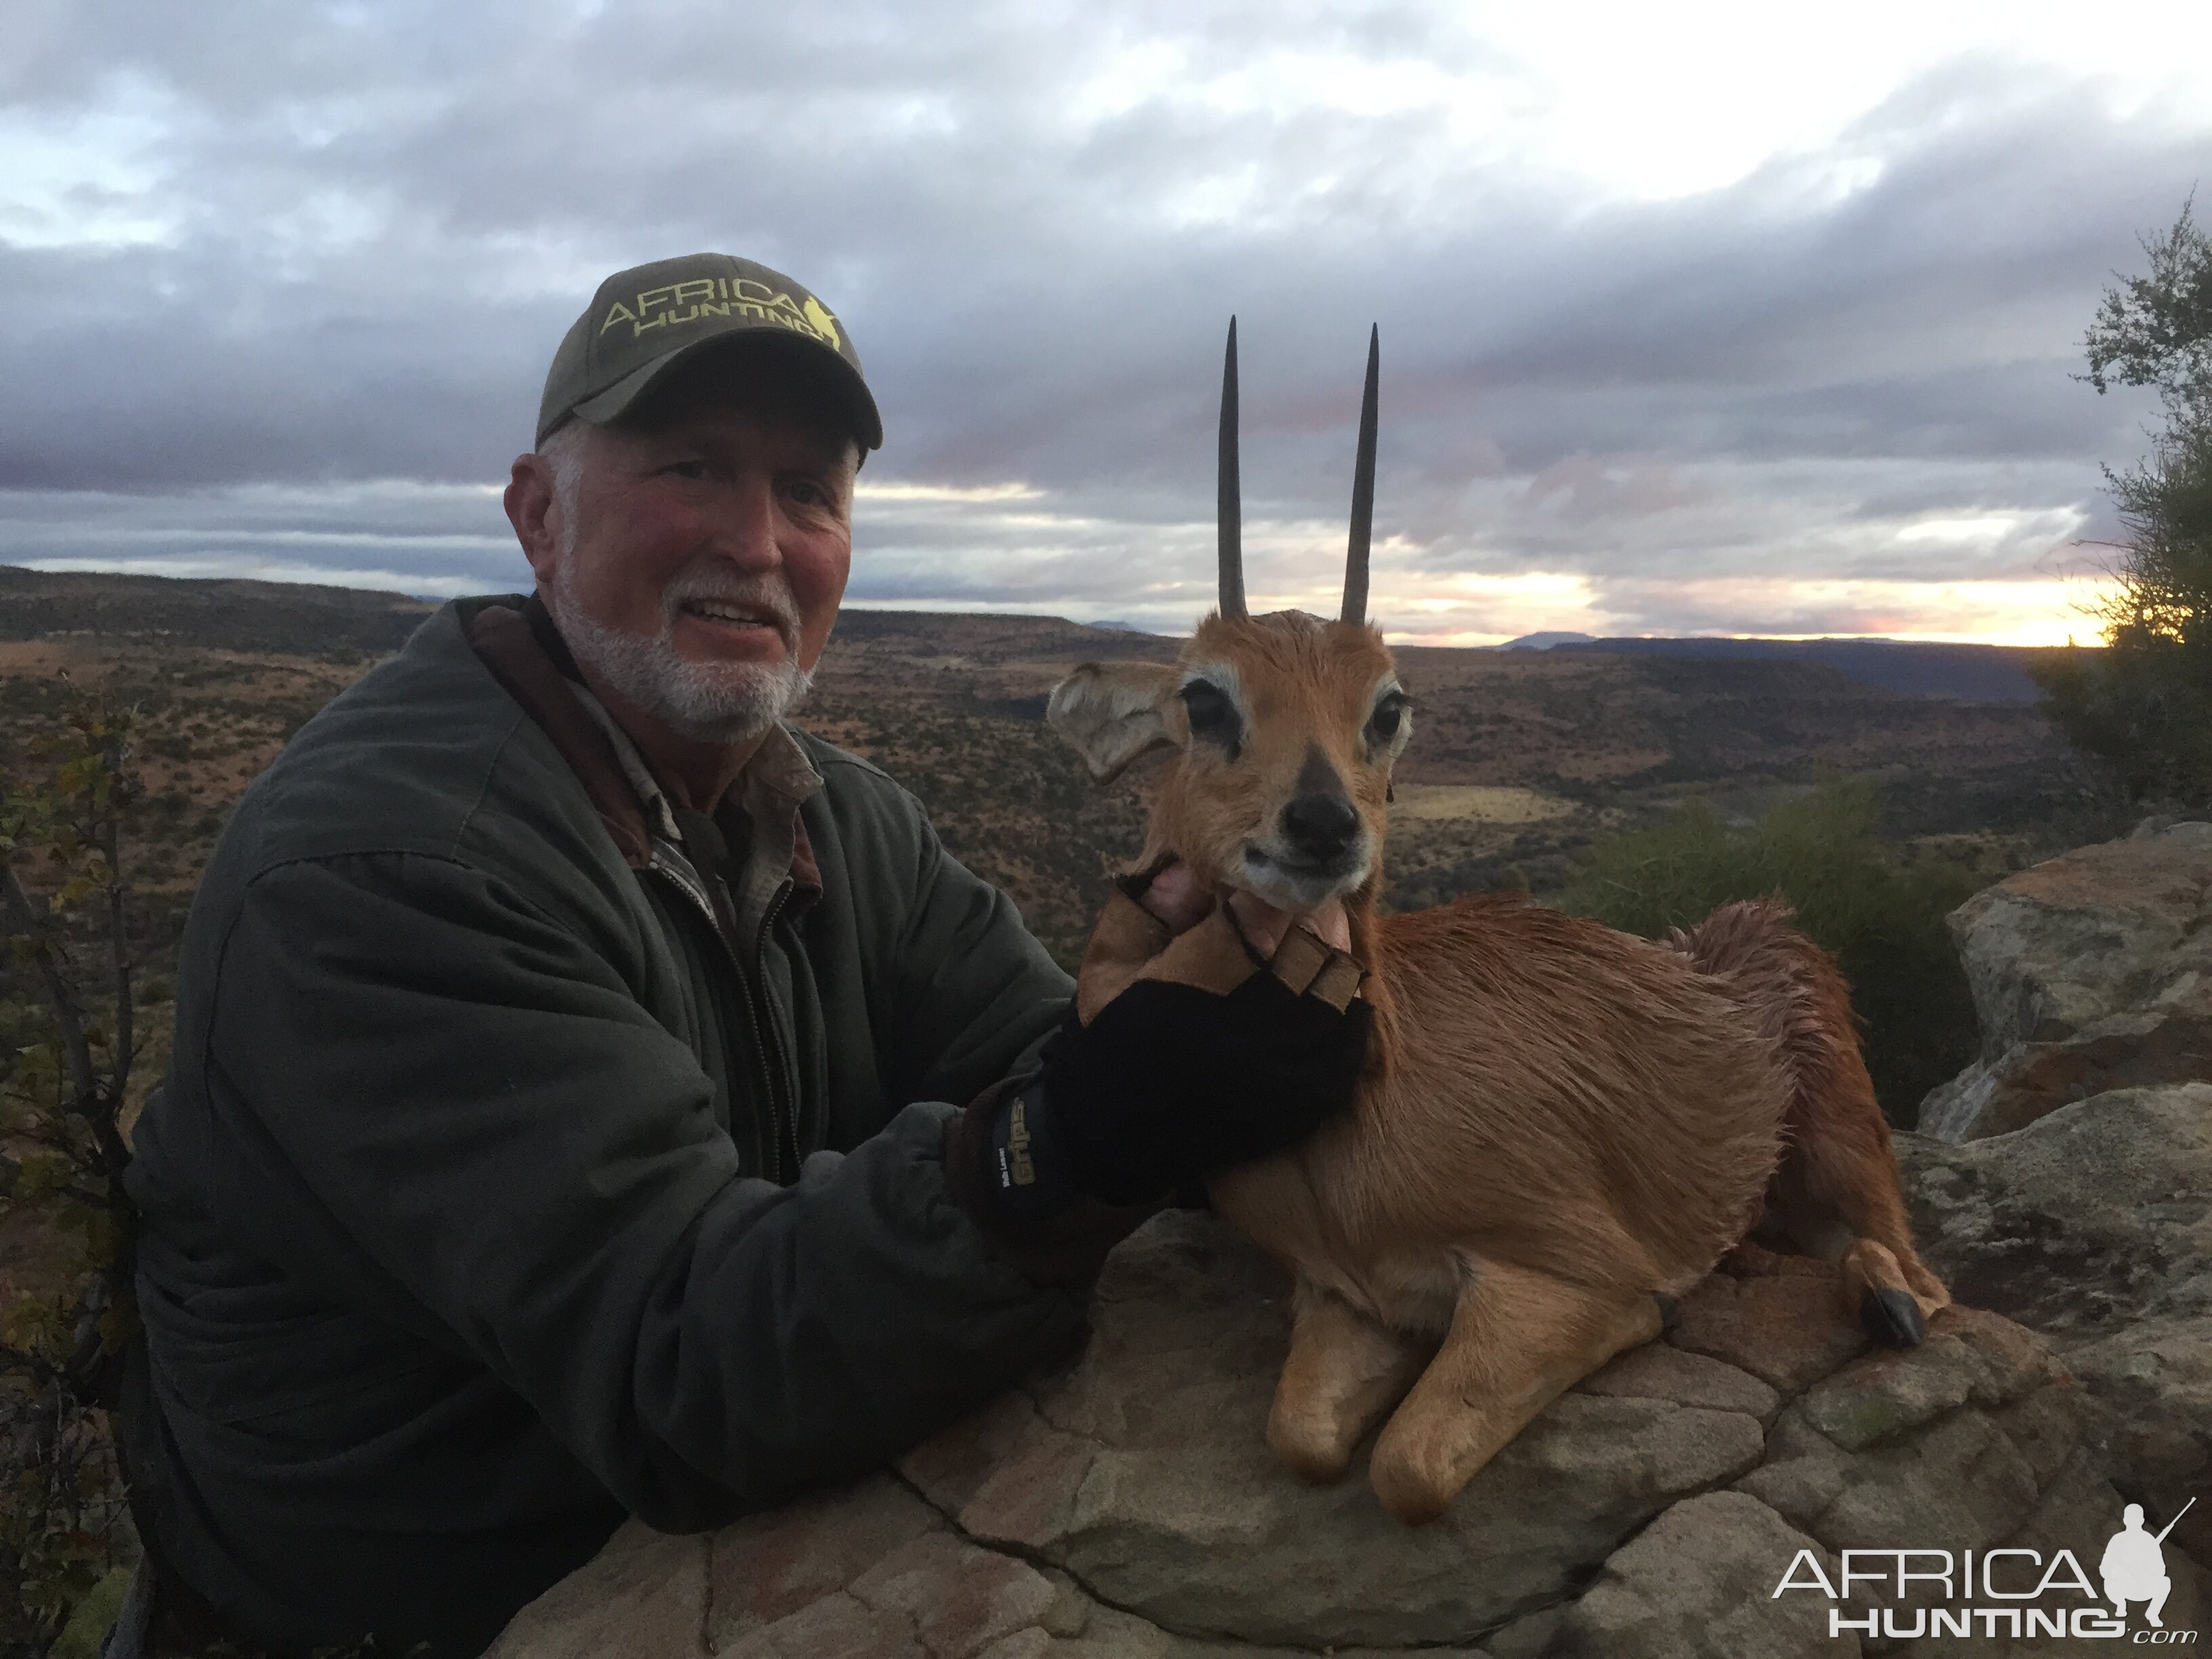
<point x="736" y="623"/>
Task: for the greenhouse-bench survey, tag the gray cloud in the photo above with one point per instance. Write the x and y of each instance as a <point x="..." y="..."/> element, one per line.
<point x="301" y="323"/>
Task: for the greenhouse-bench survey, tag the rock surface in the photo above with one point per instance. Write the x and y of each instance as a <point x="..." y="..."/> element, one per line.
<point x="1126" y="1505"/>
<point x="2093" y="1225"/>
<point x="2090" y="972"/>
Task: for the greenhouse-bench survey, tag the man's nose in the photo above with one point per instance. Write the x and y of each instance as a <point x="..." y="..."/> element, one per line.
<point x="745" y="524"/>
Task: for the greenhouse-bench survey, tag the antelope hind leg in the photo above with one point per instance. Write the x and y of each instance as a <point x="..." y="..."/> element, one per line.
<point x="1519" y="1339"/>
<point x="1344" y="1373"/>
<point x="1883" y="1293"/>
<point x="1849" y="1210"/>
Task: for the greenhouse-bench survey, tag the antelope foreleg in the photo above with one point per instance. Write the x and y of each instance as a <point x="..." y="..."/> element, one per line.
<point x="1345" y="1371"/>
<point x="1519" y="1339"/>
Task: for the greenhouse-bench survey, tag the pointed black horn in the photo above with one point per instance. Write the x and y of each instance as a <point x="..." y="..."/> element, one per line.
<point x="1362" y="488"/>
<point x="1229" y="516"/>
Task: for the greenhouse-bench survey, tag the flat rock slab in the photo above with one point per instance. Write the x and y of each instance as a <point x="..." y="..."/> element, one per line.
<point x="2090" y="972"/>
<point x="2082" y="936"/>
<point x="1125" y="1505"/>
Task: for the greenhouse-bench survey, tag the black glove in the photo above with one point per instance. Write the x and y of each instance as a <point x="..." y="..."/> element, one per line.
<point x="1209" y="1058"/>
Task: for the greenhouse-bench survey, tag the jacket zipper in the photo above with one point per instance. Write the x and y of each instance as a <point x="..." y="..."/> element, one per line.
<point x="775" y="1081"/>
<point x="777" y="1078"/>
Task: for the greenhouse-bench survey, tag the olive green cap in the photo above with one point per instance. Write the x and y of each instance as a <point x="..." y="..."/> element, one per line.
<point x="646" y="321"/>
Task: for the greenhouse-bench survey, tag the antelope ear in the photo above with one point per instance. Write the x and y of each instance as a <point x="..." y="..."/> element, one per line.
<point x="1109" y="714"/>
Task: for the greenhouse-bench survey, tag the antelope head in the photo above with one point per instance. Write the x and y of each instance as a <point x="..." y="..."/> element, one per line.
<point x="1278" y="731"/>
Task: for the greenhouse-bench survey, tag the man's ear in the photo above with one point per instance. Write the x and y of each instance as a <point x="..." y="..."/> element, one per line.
<point x="1109" y="714"/>
<point x="533" y="510"/>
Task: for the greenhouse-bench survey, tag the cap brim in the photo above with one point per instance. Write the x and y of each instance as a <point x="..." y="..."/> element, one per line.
<point x="608" y="407"/>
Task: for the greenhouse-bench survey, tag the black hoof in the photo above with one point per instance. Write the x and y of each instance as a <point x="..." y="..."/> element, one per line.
<point x="1893" y="1319"/>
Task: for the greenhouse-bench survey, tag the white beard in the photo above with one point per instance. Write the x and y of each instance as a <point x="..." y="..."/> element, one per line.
<point x="706" y="702"/>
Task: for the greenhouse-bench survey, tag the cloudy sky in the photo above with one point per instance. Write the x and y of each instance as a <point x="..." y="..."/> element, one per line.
<point x="1700" y="318"/>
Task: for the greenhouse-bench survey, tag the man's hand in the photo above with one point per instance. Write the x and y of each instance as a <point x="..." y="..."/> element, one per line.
<point x="1177" y="898"/>
<point x="1205" y="1036"/>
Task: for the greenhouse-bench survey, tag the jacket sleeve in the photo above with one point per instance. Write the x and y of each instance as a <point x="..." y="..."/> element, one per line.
<point x="973" y="995"/>
<point x="445" y="1076"/>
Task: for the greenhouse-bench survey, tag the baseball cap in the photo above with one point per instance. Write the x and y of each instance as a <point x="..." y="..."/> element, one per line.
<point x="643" y="322"/>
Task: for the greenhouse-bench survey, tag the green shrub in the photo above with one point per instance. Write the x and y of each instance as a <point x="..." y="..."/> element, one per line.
<point x="1880" y="914"/>
<point x="2142" y="707"/>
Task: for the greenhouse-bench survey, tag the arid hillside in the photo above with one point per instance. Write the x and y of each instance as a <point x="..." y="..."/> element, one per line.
<point x="1518" y="758"/>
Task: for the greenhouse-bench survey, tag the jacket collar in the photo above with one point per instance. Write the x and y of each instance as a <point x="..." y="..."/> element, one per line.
<point x="527" y="654"/>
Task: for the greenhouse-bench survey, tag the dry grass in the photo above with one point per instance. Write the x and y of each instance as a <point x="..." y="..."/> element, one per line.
<point x="1475" y="802"/>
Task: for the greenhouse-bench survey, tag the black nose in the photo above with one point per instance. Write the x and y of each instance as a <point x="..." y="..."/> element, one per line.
<point x="1320" y="826"/>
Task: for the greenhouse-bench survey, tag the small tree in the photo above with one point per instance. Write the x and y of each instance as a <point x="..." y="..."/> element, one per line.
<point x="2144" y="705"/>
<point x="66" y="1005"/>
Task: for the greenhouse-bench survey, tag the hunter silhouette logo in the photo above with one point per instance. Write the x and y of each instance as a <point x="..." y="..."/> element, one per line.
<point x="2010" y="1592"/>
<point x="2134" y="1567"/>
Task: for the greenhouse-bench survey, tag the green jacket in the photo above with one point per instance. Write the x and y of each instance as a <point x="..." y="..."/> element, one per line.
<point x="474" y="1212"/>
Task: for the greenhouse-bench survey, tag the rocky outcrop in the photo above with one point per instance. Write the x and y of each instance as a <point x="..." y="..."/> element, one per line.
<point x="2095" y="1226"/>
<point x="2076" y="1196"/>
<point x="2090" y="972"/>
<point x="1125" y="1505"/>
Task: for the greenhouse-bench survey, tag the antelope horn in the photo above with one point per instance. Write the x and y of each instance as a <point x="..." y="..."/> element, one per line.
<point x="1231" y="496"/>
<point x="1363" y="489"/>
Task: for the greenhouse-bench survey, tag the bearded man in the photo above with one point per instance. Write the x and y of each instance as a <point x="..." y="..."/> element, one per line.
<point x="566" y="1113"/>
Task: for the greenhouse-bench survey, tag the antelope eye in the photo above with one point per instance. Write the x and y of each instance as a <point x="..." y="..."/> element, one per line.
<point x="1389" y="714"/>
<point x="1212" y="715"/>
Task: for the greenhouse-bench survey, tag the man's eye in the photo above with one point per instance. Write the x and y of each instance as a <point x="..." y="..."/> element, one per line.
<point x="693" y="468"/>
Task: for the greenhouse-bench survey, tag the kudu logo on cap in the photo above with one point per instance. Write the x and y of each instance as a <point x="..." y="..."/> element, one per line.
<point x="646" y="321"/>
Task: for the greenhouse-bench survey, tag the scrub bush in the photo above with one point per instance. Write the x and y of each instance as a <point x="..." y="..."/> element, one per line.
<point x="67" y="1045"/>
<point x="1879" y="913"/>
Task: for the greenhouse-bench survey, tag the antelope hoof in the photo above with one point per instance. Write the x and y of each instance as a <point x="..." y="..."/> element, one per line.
<point x="1313" y="1465"/>
<point x="1891" y="1318"/>
<point x="1407" y="1496"/>
<point x="1314" y="1458"/>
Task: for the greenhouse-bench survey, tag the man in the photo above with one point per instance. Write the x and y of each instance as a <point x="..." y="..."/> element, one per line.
<point x="565" y="1123"/>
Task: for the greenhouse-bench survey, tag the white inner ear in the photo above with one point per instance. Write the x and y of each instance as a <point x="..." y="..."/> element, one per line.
<point x="1109" y="714"/>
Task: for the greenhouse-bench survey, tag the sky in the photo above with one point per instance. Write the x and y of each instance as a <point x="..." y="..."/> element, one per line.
<point x="1697" y="318"/>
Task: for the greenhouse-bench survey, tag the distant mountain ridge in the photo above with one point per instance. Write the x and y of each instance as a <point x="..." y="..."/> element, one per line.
<point x="225" y="613"/>
<point x="1976" y="673"/>
<point x="310" y="619"/>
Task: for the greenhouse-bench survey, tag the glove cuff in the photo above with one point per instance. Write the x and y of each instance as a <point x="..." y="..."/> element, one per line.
<point x="1028" y="1165"/>
<point x="1062" y="1244"/>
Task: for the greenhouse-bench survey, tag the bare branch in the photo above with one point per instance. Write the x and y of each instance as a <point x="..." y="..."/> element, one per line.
<point x="76" y="1053"/>
<point x="120" y="1051"/>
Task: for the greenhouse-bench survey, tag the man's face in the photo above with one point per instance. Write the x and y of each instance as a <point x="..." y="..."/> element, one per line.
<point x="695" y="559"/>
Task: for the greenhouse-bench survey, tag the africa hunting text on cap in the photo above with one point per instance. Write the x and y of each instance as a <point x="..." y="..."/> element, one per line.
<point x="645" y="320"/>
